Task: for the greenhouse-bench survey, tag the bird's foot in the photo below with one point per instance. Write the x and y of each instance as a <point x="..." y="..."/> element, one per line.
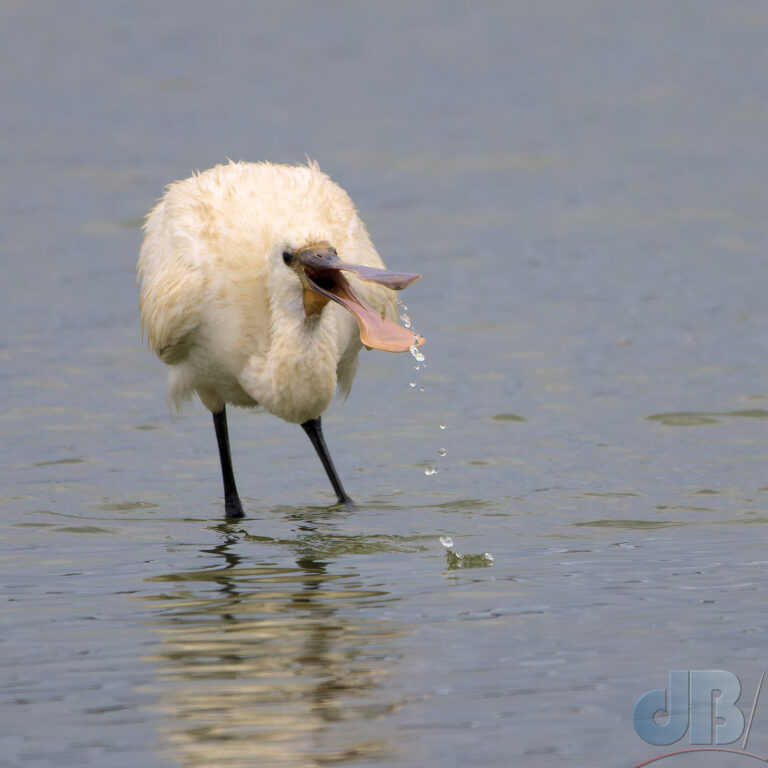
<point x="233" y="509"/>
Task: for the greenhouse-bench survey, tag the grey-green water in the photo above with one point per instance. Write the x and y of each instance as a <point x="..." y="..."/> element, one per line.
<point x="583" y="186"/>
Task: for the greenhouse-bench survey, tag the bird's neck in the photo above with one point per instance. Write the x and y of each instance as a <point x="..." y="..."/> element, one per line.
<point x="297" y="378"/>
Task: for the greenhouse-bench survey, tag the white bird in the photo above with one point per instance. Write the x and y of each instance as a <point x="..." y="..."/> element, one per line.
<point x="259" y="286"/>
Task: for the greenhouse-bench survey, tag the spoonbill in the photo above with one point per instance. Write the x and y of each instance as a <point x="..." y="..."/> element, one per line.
<point x="259" y="286"/>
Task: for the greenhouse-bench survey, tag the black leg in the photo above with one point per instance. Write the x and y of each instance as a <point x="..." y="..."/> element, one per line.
<point x="314" y="431"/>
<point x="232" y="505"/>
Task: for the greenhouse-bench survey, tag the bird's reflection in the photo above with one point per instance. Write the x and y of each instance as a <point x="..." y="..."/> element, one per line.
<point x="273" y="662"/>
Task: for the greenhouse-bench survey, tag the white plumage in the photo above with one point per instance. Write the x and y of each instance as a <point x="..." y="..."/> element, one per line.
<point x="257" y="283"/>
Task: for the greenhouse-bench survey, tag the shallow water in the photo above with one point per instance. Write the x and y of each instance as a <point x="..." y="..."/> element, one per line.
<point x="583" y="187"/>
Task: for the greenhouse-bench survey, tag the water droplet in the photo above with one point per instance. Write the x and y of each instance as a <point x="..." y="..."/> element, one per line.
<point x="411" y="383"/>
<point x="421" y="389"/>
<point x="415" y="367"/>
<point x="488" y="556"/>
<point x="418" y="356"/>
<point x="442" y="426"/>
<point x="446" y="541"/>
<point x="442" y="452"/>
<point x="406" y="320"/>
<point x="430" y="471"/>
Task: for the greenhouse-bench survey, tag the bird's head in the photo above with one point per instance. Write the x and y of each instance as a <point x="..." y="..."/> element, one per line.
<point x="321" y="273"/>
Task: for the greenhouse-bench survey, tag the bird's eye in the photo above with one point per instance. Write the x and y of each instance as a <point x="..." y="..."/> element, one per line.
<point x="287" y="256"/>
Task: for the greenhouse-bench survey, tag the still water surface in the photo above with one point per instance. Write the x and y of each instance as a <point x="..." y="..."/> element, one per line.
<point x="582" y="185"/>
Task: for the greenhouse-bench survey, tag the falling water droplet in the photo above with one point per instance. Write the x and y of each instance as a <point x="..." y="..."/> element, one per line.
<point x="418" y="356"/>
<point x="442" y="452"/>
<point x="411" y="383"/>
<point x="446" y="541"/>
<point x="442" y="426"/>
<point x="406" y="320"/>
<point x="421" y="389"/>
<point x="430" y="471"/>
<point x="415" y="367"/>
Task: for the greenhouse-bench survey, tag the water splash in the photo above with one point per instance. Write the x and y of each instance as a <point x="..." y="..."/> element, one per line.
<point x="457" y="560"/>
